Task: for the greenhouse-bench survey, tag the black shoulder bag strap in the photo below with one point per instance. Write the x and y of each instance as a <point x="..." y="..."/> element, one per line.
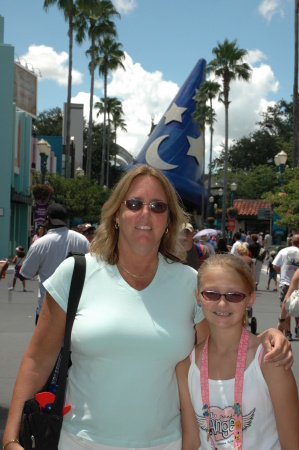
<point x="76" y="288"/>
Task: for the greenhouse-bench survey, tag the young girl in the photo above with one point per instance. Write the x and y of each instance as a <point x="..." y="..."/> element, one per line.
<point x="228" y="394"/>
<point x="18" y="261"/>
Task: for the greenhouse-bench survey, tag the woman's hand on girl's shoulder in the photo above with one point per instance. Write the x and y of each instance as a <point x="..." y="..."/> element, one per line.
<point x="278" y="350"/>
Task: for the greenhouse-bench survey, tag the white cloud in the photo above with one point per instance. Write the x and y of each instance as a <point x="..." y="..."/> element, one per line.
<point x="125" y="6"/>
<point x="53" y="65"/>
<point x="268" y="8"/>
<point x="255" y="56"/>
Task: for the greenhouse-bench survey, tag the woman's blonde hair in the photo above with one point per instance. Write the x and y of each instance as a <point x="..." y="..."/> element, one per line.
<point x="104" y="244"/>
<point x="230" y="262"/>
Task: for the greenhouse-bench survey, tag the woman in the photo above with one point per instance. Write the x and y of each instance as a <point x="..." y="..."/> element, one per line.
<point x="40" y="232"/>
<point x="284" y="321"/>
<point x="134" y="324"/>
<point x="254" y="248"/>
<point x="221" y="246"/>
<point x="243" y="253"/>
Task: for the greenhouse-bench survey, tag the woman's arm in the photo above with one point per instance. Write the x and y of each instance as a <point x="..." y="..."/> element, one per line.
<point x="293" y="286"/>
<point x="277" y="347"/>
<point x="190" y="431"/>
<point x="37" y="363"/>
<point x="284" y="396"/>
<point x="202" y="331"/>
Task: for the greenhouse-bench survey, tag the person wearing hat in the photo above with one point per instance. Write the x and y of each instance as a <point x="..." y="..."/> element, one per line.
<point x="46" y="253"/>
<point x="87" y="230"/>
<point x="196" y="253"/>
<point x="18" y="260"/>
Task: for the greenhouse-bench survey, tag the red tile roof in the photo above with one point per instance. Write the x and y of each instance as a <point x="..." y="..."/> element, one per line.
<point x="249" y="207"/>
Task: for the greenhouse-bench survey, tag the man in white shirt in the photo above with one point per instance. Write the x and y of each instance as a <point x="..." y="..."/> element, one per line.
<point x="46" y="253"/>
<point x="238" y="241"/>
<point x="286" y="263"/>
<point x="268" y="243"/>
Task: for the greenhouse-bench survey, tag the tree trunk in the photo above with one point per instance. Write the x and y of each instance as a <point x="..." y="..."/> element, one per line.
<point x="69" y="95"/>
<point x="104" y="133"/>
<point x="89" y="141"/>
<point x="224" y="200"/>
<point x="203" y="215"/>
<point x="108" y="154"/>
<point x="295" y="91"/>
<point x="211" y="149"/>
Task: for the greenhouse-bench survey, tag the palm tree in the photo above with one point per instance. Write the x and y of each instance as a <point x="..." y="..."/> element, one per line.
<point x="228" y="65"/>
<point x="94" y="21"/>
<point x="109" y="59"/>
<point x="113" y="108"/>
<point x="208" y="91"/>
<point x="68" y="8"/>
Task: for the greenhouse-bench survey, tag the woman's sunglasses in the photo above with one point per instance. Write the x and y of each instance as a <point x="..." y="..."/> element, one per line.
<point x="157" y="207"/>
<point x="232" y="297"/>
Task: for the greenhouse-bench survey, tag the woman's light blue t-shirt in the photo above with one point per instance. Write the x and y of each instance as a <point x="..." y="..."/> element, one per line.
<point x="125" y="345"/>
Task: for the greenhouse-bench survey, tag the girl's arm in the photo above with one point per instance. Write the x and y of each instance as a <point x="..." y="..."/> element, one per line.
<point x="284" y="396"/>
<point x="37" y="363"/>
<point x="14" y="259"/>
<point x="190" y="430"/>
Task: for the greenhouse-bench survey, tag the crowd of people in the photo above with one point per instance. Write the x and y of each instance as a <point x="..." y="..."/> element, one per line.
<point x="155" y="292"/>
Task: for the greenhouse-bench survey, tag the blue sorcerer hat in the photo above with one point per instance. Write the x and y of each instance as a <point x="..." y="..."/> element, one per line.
<point x="176" y="145"/>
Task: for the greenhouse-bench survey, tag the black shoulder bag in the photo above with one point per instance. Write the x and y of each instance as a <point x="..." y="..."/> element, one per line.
<point x="41" y="430"/>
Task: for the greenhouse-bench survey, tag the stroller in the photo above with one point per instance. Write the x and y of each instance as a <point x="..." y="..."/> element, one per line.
<point x="252" y="322"/>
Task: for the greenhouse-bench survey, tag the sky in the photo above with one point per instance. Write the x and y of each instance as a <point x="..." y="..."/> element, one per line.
<point x="162" y="41"/>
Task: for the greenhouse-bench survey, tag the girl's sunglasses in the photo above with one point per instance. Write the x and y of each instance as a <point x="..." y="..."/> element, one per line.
<point x="157" y="207"/>
<point x="232" y="297"/>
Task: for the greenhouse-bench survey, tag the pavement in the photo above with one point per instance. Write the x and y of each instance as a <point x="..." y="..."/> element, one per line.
<point x="17" y="322"/>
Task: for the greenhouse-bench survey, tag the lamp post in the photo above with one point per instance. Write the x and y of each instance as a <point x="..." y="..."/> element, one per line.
<point x="211" y="207"/>
<point x="220" y="194"/>
<point x="280" y="161"/>
<point x="233" y="188"/>
<point x="44" y="149"/>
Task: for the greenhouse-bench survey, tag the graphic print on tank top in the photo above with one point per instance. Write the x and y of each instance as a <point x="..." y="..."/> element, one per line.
<point x="222" y="423"/>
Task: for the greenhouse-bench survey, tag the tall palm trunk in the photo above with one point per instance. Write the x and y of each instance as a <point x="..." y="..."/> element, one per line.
<point x="224" y="199"/>
<point x="104" y="131"/>
<point x="108" y="153"/>
<point x="203" y="215"/>
<point x="211" y="149"/>
<point x="69" y="95"/>
<point x="295" y="91"/>
<point x="89" y="141"/>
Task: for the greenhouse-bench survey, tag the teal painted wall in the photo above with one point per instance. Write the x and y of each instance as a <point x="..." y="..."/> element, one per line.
<point x="6" y="138"/>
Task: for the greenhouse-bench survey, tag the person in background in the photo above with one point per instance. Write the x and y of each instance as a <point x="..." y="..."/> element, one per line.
<point x="196" y="253"/>
<point x="286" y="263"/>
<point x="205" y="240"/>
<point x="268" y="243"/>
<point x="243" y="235"/>
<point x="283" y="314"/>
<point x="3" y="267"/>
<point x="221" y="246"/>
<point x="18" y="260"/>
<point x="87" y="230"/>
<point x="271" y="272"/>
<point x="237" y="241"/>
<point x="45" y="255"/>
<point x="135" y="322"/>
<point x="248" y="239"/>
<point x="243" y="253"/>
<point x="260" y="238"/>
<point x="254" y="248"/>
<point x="40" y="232"/>
<point x="228" y="393"/>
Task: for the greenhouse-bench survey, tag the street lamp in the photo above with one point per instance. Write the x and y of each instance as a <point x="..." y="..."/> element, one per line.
<point x="45" y="150"/>
<point x="233" y="188"/>
<point x="280" y="161"/>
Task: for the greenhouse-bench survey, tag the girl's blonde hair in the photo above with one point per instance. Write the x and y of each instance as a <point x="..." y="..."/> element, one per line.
<point x="230" y="262"/>
<point x="104" y="244"/>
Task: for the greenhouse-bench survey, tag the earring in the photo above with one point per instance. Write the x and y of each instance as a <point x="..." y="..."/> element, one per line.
<point x="166" y="231"/>
<point x="116" y="226"/>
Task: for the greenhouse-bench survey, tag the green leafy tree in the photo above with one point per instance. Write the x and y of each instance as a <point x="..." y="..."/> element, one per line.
<point x="286" y="200"/>
<point x="94" y="21"/>
<point x="228" y="65"/>
<point x="48" y="123"/>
